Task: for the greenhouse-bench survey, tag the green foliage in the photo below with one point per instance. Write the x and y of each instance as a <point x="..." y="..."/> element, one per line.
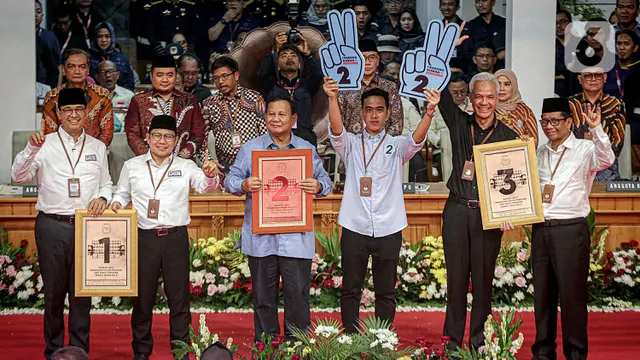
<point x="500" y="342"/>
<point x="331" y="246"/>
<point x="582" y="8"/>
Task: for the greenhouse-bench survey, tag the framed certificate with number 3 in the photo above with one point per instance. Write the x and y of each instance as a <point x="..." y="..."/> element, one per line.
<point x="282" y="206"/>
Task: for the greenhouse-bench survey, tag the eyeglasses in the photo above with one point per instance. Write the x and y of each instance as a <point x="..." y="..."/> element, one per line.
<point x="222" y="77"/>
<point x="371" y="58"/>
<point x="109" y="72"/>
<point x="166" y="137"/>
<point x="592" y="76"/>
<point x="554" y="122"/>
<point x="190" y="73"/>
<point x="460" y="93"/>
<point x="70" y="111"/>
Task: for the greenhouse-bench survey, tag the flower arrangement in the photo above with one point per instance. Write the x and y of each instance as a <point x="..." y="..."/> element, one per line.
<point x="500" y="339"/>
<point x="20" y="279"/>
<point x="200" y="341"/>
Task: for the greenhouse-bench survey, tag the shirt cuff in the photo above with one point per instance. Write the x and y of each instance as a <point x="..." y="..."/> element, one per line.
<point x="30" y="149"/>
<point x="336" y="136"/>
<point x="598" y="132"/>
<point x="414" y="143"/>
<point x="120" y="200"/>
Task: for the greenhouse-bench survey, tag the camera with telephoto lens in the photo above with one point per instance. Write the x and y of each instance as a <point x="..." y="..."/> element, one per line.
<point x="294" y="36"/>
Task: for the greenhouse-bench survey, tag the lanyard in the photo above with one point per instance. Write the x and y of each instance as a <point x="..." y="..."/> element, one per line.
<point x="155" y="188"/>
<point x="619" y="83"/>
<point x="66" y="43"/>
<point x="364" y="156"/>
<point x="163" y="105"/>
<point x="558" y="163"/>
<point x="473" y="138"/>
<point x="85" y="28"/>
<point x="232" y="115"/>
<point x="290" y="89"/>
<point x="73" y="167"/>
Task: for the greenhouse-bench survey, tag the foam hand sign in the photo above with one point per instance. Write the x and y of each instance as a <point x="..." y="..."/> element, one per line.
<point x="340" y="57"/>
<point x="428" y="67"/>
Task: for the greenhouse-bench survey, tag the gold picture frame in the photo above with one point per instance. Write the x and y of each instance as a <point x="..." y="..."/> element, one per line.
<point x="106" y="254"/>
<point x="508" y="183"/>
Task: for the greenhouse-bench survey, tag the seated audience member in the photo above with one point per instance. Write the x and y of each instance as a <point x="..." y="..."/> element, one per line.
<point x="511" y="109"/>
<point x="235" y="115"/>
<point x="626" y="15"/>
<point x="62" y="30"/>
<point x="316" y="16"/>
<point x="350" y="104"/>
<point x="298" y="76"/>
<point x="487" y="28"/>
<point x="632" y="108"/>
<point x="388" y="47"/>
<point x="484" y="60"/>
<point x="411" y="33"/>
<point x="70" y="353"/>
<point x="613" y="119"/>
<point x="272" y="256"/>
<point x="189" y="66"/>
<point x="107" y="75"/>
<point x="626" y="46"/>
<point x="104" y="48"/>
<point x="390" y="23"/>
<point x="438" y="134"/>
<point x="365" y="10"/>
<point x="179" y="39"/>
<point x="164" y="99"/>
<point x="223" y="31"/>
<point x="99" y="122"/>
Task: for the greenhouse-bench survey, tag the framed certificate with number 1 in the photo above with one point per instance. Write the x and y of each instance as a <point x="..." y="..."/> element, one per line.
<point x="282" y="206"/>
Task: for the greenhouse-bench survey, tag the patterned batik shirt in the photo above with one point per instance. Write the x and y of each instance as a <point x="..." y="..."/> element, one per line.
<point x="243" y="113"/>
<point x="350" y="106"/>
<point x="99" y="122"/>
<point x="613" y="124"/>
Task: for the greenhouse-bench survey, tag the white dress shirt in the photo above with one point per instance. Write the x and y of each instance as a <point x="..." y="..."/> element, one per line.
<point x="120" y="98"/>
<point x="135" y="185"/>
<point x="52" y="170"/>
<point x="575" y="174"/>
<point x="383" y="212"/>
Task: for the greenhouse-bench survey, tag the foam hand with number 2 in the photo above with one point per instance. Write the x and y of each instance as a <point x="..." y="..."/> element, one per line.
<point x="340" y="57"/>
<point x="428" y="67"/>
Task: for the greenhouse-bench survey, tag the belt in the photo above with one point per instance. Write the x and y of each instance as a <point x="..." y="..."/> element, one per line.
<point x="64" y="218"/>
<point x="471" y="204"/>
<point x="560" y="222"/>
<point x="160" y="232"/>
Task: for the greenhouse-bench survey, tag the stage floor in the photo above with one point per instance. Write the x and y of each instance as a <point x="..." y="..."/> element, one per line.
<point x="611" y="335"/>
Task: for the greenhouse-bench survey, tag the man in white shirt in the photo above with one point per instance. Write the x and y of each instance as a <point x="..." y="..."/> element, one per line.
<point x="79" y="179"/>
<point x="107" y="76"/>
<point x="560" y="246"/>
<point x="157" y="184"/>
<point x="372" y="213"/>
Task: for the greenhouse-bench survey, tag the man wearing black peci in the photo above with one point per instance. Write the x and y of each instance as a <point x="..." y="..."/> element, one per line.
<point x="467" y="247"/>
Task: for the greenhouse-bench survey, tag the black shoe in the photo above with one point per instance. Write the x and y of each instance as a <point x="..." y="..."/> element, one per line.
<point x="140" y="357"/>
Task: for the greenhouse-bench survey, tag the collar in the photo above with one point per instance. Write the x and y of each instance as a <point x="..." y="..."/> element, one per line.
<point x="374" y="80"/>
<point x="269" y="144"/>
<point x="154" y="93"/>
<point x="68" y="138"/>
<point x="569" y="143"/>
<point x="583" y="98"/>
<point x="148" y="158"/>
<point x="493" y="125"/>
<point x="368" y="136"/>
<point x="116" y="89"/>
<point x="220" y="96"/>
<point x="290" y="83"/>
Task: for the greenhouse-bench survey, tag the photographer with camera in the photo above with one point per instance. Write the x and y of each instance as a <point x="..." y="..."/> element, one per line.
<point x="291" y="71"/>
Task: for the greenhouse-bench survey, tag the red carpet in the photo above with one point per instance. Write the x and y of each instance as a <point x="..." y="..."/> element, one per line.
<point x="611" y="335"/>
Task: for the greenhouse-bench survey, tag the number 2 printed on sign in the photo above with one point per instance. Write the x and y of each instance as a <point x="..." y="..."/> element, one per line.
<point x="280" y="195"/>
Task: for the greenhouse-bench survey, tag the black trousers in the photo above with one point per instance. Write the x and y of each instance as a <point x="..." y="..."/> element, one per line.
<point x="560" y="257"/>
<point x="167" y="255"/>
<point x="356" y="249"/>
<point x="55" y="240"/>
<point x="467" y="249"/>
<point x="296" y="280"/>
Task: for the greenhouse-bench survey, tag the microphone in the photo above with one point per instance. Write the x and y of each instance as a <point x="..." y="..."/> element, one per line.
<point x="415" y="176"/>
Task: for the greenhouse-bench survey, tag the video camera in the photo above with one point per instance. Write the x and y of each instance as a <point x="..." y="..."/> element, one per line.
<point x="294" y="36"/>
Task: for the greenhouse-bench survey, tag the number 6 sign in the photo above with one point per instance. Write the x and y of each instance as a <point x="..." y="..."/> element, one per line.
<point x="428" y="67"/>
<point x="340" y="57"/>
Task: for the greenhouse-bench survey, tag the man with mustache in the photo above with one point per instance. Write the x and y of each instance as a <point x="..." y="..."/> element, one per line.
<point x="627" y="13"/>
<point x="107" y="76"/>
<point x="292" y="71"/>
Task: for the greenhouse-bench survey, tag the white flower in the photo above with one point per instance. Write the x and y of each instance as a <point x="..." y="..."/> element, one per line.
<point x="499" y="271"/>
<point x="222" y="289"/>
<point x="244" y="269"/>
<point x="95" y="301"/>
<point x="235" y="276"/>
<point x="337" y="281"/>
<point x="116" y="300"/>
<point x="24" y="294"/>
<point x="312" y="341"/>
<point x="196" y="263"/>
<point x="519" y="295"/>
<point x="345" y="339"/>
<point x="326" y="331"/>
<point x="529" y="276"/>
<point x="507" y="278"/>
<point x="40" y="283"/>
<point x="399" y="269"/>
<point x="530" y="289"/>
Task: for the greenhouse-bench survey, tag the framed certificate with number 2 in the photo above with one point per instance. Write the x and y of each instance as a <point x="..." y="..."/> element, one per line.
<point x="281" y="206"/>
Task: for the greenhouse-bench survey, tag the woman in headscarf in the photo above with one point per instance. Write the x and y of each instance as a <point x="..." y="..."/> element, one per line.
<point x="411" y="33"/>
<point x="511" y="109"/>
<point x="103" y="48"/>
<point x="316" y="16"/>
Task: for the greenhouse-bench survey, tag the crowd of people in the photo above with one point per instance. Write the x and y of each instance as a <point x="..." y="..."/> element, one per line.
<point x="169" y="124"/>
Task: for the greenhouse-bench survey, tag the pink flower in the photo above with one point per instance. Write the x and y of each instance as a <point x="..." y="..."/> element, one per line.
<point x="521" y="282"/>
<point x="211" y="290"/>
<point x="11" y="271"/>
<point x="223" y="271"/>
<point x="11" y="289"/>
<point x="3" y="286"/>
<point x="337" y="281"/>
<point x="4" y="259"/>
<point x="314" y="268"/>
<point x="522" y="255"/>
<point x="499" y="271"/>
<point x="199" y="282"/>
<point x="210" y="277"/>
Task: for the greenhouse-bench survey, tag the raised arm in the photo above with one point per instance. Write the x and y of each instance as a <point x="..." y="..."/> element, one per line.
<point x="335" y="118"/>
<point x="25" y="166"/>
<point x="603" y="156"/>
<point x="449" y="110"/>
